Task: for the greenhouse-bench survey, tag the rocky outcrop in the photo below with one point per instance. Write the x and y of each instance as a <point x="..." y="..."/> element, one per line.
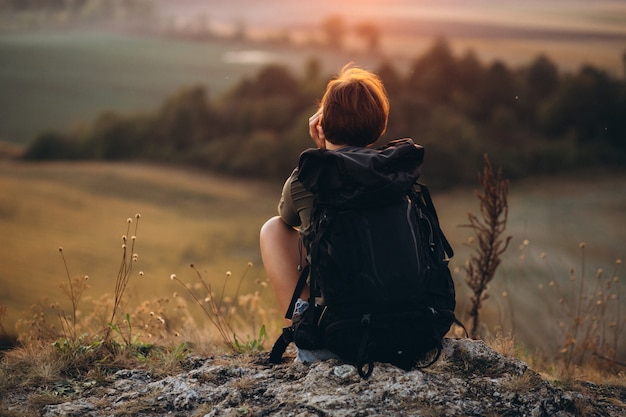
<point x="469" y="379"/>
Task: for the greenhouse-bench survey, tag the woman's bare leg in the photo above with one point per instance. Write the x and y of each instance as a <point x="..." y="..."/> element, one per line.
<point x="281" y="257"/>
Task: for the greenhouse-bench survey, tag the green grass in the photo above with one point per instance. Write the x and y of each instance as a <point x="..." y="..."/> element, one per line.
<point x="58" y="79"/>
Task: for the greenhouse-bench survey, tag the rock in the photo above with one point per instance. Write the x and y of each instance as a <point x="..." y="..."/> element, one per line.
<point x="469" y="379"/>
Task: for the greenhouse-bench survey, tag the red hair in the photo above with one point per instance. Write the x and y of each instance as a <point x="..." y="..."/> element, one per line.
<point x="355" y="108"/>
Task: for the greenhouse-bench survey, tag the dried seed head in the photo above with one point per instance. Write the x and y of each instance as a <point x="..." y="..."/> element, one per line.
<point x="582" y="245"/>
<point x="173" y="277"/>
<point x="124" y="238"/>
<point x="228" y="273"/>
<point x="250" y="264"/>
<point x="137" y="216"/>
<point x="129" y="220"/>
<point x="617" y="261"/>
<point x="141" y="273"/>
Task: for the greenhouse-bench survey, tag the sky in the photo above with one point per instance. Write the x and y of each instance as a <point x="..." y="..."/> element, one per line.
<point x="602" y="16"/>
<point x="571" y="32"/>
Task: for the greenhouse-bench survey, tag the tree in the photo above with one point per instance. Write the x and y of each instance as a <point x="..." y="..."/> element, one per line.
<point x="542" y="79"/>
<point x="370" y="34"/>
<point x="590" y="104"/>
<point x="434" y="73"/>
<point x="184" y="119"/>
<point x="498" y="88"/>
<point x="334" y="29"/>
<point x="391" y="79"/>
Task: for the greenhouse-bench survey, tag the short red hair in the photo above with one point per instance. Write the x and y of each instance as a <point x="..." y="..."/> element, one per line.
<point x="355" y="108"/>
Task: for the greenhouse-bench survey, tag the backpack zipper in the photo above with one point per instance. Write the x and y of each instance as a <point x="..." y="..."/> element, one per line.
<point x="415" y="243"/>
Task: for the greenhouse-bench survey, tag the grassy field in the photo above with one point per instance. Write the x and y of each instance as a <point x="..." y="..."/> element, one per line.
<point x="61" y="79"/>
<point x="190" y="217"/>
<point x="186" y="218"/>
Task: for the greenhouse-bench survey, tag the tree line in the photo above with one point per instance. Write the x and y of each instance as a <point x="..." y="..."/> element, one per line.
<point x="531" y="120"/>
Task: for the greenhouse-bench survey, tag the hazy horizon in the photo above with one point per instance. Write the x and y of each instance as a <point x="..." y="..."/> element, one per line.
<point x="605" y="18"/>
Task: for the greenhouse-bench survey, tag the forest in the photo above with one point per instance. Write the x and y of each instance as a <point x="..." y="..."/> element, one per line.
<point x="532" y="120"/>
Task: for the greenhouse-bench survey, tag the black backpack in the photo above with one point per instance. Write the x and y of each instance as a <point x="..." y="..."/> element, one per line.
<point x="377" y="259"/>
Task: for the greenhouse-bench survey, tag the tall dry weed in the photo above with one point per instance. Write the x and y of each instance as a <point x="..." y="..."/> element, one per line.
<point x="488" y="230"/>
<point x="129" y="257"/>
<point x="591" y="318"/>
<point x="227" y="313"/>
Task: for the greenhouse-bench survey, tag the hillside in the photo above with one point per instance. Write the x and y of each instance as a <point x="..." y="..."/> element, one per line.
<point x="469" y="380"/>
<point x="213" y="221"/>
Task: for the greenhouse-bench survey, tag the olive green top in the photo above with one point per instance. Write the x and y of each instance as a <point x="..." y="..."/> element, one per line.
<point x="295" y="203"/>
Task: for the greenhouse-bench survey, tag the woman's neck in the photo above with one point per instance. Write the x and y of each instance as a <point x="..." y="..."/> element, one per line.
<point x="333" y="147"/>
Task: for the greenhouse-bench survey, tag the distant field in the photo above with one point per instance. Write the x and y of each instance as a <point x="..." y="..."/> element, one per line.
<point x="60" y="79"/>
<point x="214" y="222"/>
<point x="57" y="80"/>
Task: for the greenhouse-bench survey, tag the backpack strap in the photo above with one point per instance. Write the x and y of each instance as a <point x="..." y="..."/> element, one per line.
<point x="280" y="345"/>
<point x="364" y="365"/>
<point x="297" y="291"/>
<point x="287" y="335"/>
<point x="430" y="206"/>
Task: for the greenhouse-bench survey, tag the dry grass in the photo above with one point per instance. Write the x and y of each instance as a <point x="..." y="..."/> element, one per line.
<point x="160" y="323"/>
<point x="488" y="229"/>
<point x="93" y="332"/>
<point x="188" y="217"/>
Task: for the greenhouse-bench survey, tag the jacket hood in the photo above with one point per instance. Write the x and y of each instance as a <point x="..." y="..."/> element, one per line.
<point x="352" y="176"/>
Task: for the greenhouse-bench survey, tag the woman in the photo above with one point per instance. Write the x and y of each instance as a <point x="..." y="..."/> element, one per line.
<point x="353" y="113"/>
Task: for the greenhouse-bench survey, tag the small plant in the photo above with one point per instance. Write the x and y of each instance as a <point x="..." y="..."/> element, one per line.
<point x="129" y="257"/>
<point x="73" y="290"/>
<point x="482" y="265"/>
<point x="251" y="345"/>
<point x="220" y="310"/>
<point x="591" y="317"/>
<point x="3" y="312"/>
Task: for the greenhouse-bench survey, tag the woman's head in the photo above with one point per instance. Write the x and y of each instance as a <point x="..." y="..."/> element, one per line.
<point x="355" y="108"/>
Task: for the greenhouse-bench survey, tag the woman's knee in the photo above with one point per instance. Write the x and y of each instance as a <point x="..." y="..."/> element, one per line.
<point x="271" y="229"/>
